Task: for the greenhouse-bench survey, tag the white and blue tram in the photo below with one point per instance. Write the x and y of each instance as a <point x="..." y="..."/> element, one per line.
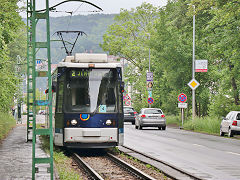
<point x="88" y="102"/>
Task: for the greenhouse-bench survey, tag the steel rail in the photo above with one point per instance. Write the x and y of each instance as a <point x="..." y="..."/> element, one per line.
<point x="127" y="167"/>
<point x="83" y="164"/>
<point x="130" y="168"/>
<point x="164" y="163"/>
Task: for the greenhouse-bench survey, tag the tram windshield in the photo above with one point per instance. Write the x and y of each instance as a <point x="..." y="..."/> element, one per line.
<point x="91" y="90"/>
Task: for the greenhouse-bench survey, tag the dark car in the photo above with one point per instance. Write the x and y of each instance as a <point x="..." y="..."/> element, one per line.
<point x="129" y="114"/>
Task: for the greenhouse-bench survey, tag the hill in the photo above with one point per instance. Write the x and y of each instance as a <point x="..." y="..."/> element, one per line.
<point x="94" y="25"/>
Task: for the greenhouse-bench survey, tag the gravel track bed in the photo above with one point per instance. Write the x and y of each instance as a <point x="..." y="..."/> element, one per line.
<point x="81" y="172"/>
<point x="151" y="171"/>
<point x="108" y="169"/>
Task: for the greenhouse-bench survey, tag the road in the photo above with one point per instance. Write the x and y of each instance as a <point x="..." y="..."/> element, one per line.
<point x="206" y="156"/>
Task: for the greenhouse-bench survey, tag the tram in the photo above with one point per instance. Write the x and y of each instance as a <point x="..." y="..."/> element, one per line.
<point x="88" y="102"/>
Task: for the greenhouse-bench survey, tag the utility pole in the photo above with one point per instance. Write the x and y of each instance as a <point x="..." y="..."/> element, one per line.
<point x="193" y="66"/>
<point x="149" y="70"/>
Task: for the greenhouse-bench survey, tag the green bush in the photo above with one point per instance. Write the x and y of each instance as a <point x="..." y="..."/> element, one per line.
<point x="7" y="122"/>
<point x="62" y="162"/>
<point x="173" y="120"/>
<point x="207" y="124"/>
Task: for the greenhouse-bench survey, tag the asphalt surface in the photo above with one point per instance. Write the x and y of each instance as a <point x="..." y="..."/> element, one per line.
<point x="205" y="156"/>
<point x="16" y="156"/>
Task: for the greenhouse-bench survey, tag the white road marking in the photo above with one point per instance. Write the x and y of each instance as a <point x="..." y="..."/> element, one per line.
<point x="233" y="153"/>
<point x="198" y="145"/>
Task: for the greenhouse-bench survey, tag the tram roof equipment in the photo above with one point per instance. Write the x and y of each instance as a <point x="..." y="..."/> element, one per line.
<point x="86" y="60"/>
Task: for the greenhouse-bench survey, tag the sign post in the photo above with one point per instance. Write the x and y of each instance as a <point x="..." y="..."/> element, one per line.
<point x="149" y="85"/>
<point x="182" y="98"/>
<point x="127" y="100"/>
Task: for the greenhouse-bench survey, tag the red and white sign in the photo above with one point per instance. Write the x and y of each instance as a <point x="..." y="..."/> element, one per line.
<point x="201" y="65"/>
<point x="182" y="98"/>
<point x="126" y="97"/>
<point x="128" y="103"/>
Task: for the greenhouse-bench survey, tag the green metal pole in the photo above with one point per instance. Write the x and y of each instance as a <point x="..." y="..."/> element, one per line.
<point x="28" y="44"/>
<point x="50" y="89"/>
<point x="34" y="86"/>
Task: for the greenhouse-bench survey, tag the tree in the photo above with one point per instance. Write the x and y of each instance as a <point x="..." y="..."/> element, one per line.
<point x="129" y="38"/>
<point x="10" y="27"/>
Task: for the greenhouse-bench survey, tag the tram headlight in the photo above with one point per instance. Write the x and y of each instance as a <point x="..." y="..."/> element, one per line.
<point x="108" y="122"/>
<point x="73" y="122"/>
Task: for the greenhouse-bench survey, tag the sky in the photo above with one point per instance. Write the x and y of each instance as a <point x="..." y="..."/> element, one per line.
<point x="108" y="6"/>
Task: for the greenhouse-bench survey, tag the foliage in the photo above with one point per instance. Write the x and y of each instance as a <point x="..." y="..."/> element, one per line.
<point x="7" y="122"/>
<point x="94" y="25"/>
<point x="210" y="124"/>
<point x="173" y="120"/>
<point x="129" y="38"/>
<point x="61" y="161"/>
<point x="11" y="44"/>
<point x="171" y="41"/>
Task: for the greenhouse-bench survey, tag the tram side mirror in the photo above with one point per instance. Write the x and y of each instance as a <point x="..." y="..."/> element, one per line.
<point x="122" y="84"/>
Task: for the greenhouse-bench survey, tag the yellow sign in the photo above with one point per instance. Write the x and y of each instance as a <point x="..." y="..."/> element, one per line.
<point x="193" y="84"/>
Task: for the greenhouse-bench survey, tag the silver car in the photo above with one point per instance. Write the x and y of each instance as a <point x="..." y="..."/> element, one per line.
<point x="150" y="117"/>
<point x="230" y="124"/>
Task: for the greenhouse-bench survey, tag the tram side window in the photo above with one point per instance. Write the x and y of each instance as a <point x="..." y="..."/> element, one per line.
<point x="60" y="97"/>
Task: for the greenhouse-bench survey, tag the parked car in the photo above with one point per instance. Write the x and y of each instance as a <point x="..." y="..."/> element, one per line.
<point x="230" y="124"/>
<point x="150" y="117"/>
<point x="129" y="114"/>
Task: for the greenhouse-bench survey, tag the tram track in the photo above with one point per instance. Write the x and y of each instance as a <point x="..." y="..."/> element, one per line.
<point x="168" y="169"/>
<point x="108" y="166"/>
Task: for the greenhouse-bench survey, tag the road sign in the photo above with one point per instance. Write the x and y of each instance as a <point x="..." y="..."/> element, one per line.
<point x="182" y="98"/>
<point x="149" y="76"/>
<point x="149" y="84"/>
<point x="128" y="97"/>
<point x="182" y="105"/>
<point x="150" y="93"/>
<point x="128" y="103"/>
<point x="150" y="100"/>
<point x="193" y="84"/>
<point x="201" y="65"/>
<point x="42" y="102"/>
<point x="38" y="61"/>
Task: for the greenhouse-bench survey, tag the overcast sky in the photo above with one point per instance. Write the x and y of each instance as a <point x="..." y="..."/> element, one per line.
<point x="108" y="6"/>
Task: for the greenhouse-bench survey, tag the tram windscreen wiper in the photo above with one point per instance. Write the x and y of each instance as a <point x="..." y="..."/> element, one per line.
<point x="94" y="112"/>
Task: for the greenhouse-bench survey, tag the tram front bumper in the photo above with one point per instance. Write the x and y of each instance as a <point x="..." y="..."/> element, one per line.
<point x="90" y="135"/>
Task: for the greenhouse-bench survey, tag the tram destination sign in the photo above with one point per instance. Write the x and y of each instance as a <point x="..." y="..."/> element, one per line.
<point x="96" y="73"/>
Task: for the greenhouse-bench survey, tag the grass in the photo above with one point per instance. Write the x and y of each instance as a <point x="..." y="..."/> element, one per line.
<point x="208" y="124"/>
<point x="62" y="162"/>
<point x="173" y="120"/>
<point x="7" y="122"/>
